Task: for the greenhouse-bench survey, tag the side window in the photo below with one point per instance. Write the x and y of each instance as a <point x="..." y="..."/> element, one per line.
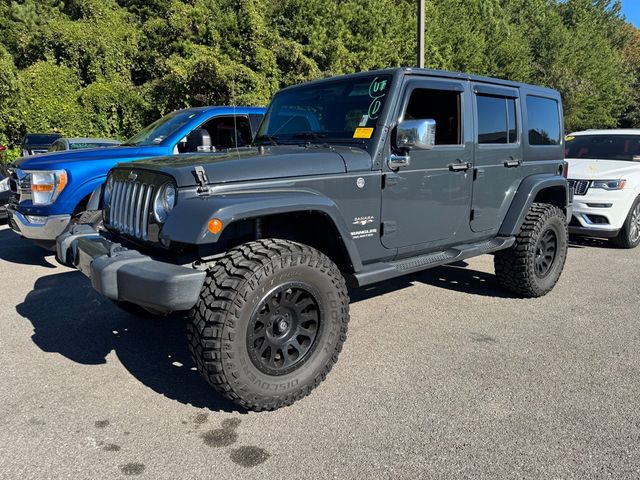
<point x="57" y="146"/>
<point x="497" y="120"/>
<point x="443" y="106"/>
<point x="255" y="120"/>
<point x="543" y="120"/>
<point x="227" y="133"/>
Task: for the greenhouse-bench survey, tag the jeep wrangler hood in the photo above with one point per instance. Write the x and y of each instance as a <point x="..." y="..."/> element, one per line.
<point x="56" y="160"/>
<point x="258" y="164"/>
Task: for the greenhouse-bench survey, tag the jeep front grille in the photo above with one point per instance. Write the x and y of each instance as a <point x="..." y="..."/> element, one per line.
<point x="580" y="187"/>
<point x="129" y="208"/>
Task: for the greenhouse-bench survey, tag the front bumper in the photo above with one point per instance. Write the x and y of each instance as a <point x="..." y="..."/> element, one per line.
<point x="53" y="225"/>
<point x="127" y="275"/>
<point x="601" y="213"/>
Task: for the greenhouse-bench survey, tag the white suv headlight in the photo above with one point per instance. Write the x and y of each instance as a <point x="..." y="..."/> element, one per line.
<point x="4" y="185"/>
<point x="164" y="202"/>
<point x="609" y="184"/>
<point x="46" y="185"/>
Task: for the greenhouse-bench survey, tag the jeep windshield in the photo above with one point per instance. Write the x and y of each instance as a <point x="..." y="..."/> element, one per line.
<point x="604" y="147"/>
<point x="333" y="111"/>
<point x="155" y="133"/>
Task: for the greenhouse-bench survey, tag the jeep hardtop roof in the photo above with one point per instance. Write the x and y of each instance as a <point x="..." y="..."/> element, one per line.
<point x="402" y="71"/>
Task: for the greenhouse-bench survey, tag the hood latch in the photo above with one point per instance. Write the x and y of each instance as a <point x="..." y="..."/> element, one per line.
<point x="202" y="179"/>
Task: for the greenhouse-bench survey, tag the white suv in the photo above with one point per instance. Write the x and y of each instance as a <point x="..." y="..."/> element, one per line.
<point x="604" y="171"/>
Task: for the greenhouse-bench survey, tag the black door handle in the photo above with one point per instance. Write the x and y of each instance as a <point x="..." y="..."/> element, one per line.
<point x="511" y="163"/>
<point x="459" y="167"/>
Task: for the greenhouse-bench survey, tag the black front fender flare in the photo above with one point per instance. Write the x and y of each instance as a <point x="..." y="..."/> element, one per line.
<point x="188" y="222"/>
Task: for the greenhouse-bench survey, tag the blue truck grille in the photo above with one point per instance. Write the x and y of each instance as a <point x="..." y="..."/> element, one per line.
<point x="20" y="185"/>
<point x="130" y="206"/>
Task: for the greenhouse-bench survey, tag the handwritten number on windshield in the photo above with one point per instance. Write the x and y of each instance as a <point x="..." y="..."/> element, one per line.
<point x="376" y="92"/>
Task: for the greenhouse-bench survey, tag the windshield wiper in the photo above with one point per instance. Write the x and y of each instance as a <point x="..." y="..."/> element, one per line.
<point x="309" y="135"/>
<point x="271" y="138"/>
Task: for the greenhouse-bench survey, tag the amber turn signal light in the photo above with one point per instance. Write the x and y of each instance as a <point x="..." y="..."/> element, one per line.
<point x="215" y="226"/>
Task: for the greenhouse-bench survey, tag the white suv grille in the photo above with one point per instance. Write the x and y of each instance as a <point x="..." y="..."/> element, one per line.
<point x="580" y="187"/>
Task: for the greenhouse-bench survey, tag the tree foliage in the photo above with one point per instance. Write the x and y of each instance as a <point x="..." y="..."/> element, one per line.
<point x="106" y="67"/>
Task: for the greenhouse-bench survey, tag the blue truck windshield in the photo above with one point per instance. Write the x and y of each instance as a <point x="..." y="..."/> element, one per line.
<point x="334" y="110"/>
<point x="155" y="133"/>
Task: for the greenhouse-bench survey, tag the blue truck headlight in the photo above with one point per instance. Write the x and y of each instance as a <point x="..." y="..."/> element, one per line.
<point x="164" y="202"/>
<point x="46" y="185"/>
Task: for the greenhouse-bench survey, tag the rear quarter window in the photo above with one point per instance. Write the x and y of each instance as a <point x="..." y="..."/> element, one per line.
<point x="543" y="121"/>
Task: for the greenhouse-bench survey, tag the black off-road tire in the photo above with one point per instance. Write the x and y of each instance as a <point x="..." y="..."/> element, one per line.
<point x="236" y="291"/>
<point x="624" y="238"/>
<point x="517" y="268"/>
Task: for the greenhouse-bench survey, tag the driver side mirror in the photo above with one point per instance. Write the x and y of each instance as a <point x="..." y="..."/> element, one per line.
<point x="198" y="140"/>
<point x="419" y="134"/>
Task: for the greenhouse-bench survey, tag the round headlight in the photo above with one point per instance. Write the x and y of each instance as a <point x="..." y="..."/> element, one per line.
<point x="164" y="202"/>
<point x="108" y="188"/>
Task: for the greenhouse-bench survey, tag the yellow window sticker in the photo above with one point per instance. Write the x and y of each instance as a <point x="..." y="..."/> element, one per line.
<point x="363" y="132"/>
<point x="568" y="138"/>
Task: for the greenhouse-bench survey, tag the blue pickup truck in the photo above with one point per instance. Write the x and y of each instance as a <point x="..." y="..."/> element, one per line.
<point x="49" y="191"/>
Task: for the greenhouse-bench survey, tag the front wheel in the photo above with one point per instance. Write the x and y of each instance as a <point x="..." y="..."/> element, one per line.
<point x="629" y="235"/>
<point x="270" y="323"/>
<point x="532" y="266"/>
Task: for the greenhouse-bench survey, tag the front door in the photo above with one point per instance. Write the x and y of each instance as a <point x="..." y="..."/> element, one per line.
<point x="428" y="201"/>
<point x="498" y="155"/>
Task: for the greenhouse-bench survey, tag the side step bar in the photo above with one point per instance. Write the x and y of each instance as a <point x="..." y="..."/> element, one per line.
<point x="377" y="272"/>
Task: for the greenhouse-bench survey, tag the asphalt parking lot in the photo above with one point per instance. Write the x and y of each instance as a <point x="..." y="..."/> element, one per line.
<point x="442" y="376"/>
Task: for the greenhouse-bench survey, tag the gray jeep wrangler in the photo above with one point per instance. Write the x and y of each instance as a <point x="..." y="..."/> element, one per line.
<point x="350" y="181"/>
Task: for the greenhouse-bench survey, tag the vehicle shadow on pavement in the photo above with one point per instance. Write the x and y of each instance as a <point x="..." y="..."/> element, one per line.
<point x="451" y="277"/>
<point x="583" y="242"/>
<point x="16" y="249"/>
<point x="71" y="319"/>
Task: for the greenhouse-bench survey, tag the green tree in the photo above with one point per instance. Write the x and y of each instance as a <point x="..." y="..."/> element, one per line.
<point x="48" y="100"/>
<point x="106" y="67"/>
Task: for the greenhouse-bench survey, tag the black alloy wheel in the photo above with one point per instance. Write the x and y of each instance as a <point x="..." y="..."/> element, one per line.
<point x="283" y="329"/>
<point x="546" y="251"/>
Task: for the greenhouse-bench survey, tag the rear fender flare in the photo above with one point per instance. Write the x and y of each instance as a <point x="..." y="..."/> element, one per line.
<point x="528" y="190"/>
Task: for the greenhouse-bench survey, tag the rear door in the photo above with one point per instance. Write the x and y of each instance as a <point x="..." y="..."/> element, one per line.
<point x="498" y="154"/>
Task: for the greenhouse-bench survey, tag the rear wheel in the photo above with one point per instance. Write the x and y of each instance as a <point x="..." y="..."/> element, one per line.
<point x="629" y="235"/>
<point x="270" y="323"/>
<point x="532" y="266"/>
